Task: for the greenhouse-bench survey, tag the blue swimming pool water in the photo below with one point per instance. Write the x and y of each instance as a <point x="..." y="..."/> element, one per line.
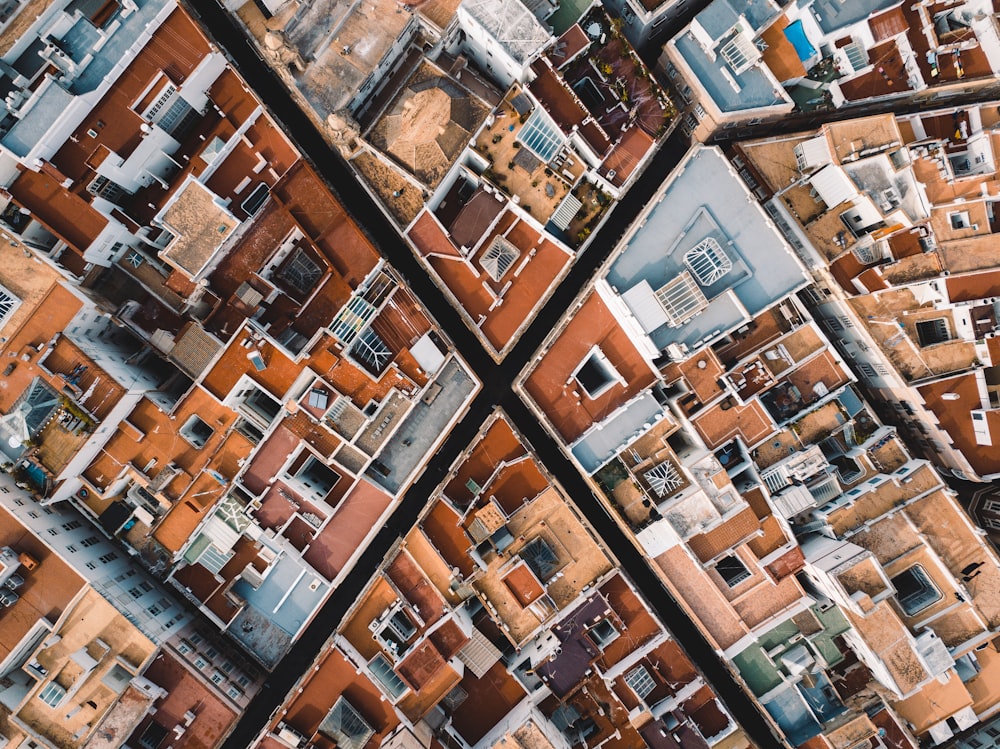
<point x="797" y="36"/>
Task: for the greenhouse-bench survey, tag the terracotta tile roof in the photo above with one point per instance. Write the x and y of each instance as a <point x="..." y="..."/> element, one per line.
<point x="47" y="590"/>
<point x="573" y="41"/>
<point x="888" y="24"/>
<point x="888" y="76"/>
<point x="702" y="597"/>
<point x="595" y="137"/>
<point x="845" y="269"/>
<point x="442" y="527"/>
<point x="872" y="280"/>
<point x="973" y="286"/>
<point x="739" y="528"/>
<point x="750" y="422"/>
<point x="335" y="677"/>
<point x="410" y="580"/>
<point x="65" y="214"/>
<point x="475" y="218"/>
<point x="627" y="154"/>
<point x="592" y="324"/>
<point x="213" y="718"/>
<point x="356" y="517"/>
<point x="176" y="46"/>
<point x="429" y="237"/>
<point x="955" y="418"/>
<point x="194" y="349"/>
<point x="557" y="98"/>
<point x="780" y="56"/>
<point x="449" y="639"/>
<point x="905" y="243"/>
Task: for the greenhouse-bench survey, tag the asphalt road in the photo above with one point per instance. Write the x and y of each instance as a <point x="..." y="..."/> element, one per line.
<point x="496" y="391"/>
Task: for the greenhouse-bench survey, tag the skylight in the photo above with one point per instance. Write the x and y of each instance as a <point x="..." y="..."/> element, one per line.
<point x="538" y="555"/>
<point x="346" y="726"/>
<point x="382" y="671"/>
<point x="708" y="261"/>
<point x="301" y="272"/>
<point x="681" y="299"/>
<point x="596" y="374"/>
<point x="914" y="590"/>
<point x="740" y="53"/>
<point x="664" y="479"/>
<point x="499" y="258"/>
<point x="541" y="136"/>
<point x="352" y="318"/>
<point x="640" y="681"/>
<point x="372" y="352"/>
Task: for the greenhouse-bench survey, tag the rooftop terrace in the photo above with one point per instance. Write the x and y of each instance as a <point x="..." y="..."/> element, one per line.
<point x="751" y="270"/>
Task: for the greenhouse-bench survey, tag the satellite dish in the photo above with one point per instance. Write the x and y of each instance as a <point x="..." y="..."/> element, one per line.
<point x="14" y="441"/>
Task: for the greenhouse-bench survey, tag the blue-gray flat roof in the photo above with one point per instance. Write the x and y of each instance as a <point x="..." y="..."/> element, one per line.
<point x="279" y="607"/>
<point x="707" y="199"/>
<point x="600" y="445"/>
<point x="422" y="427"/>
<point x="27" y="132"/>
<point x="835" y="14"/>
<point x="720" y="16"/>
<point x="756" y="90"/>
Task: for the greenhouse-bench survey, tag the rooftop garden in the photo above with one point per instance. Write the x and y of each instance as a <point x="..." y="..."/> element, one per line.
<point x="614" y="84"/>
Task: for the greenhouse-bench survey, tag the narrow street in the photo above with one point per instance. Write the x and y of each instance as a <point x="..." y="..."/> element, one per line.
<point x="496" y="391"/>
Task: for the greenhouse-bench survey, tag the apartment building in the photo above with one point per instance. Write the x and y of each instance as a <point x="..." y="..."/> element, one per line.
<point x="908" y="286"/>
<point x="758" y="61"/>
<point x="228" y="380"/>
<point x="499" y="145"/>
<point x="94" y="650"/>
<point x="500" y="618"/>
<point x="728" y="437"/>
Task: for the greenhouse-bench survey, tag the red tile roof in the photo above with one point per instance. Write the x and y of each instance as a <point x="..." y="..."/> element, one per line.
<point x="888" y="24"/>
<point x="65" y="214"/>
<point x="573" y="41"/>
<point x="176" y="47"/>
<point x="549" y="383"/>
<point x="972" y="286"/>
<point x="627" y="154"/>
<point x="213" y="717"/>
<point x="955" y="418"/>
<point x="557" y="98"/>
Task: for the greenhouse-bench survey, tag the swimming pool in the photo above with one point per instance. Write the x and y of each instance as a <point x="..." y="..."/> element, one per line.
<point x="797" y="36"/>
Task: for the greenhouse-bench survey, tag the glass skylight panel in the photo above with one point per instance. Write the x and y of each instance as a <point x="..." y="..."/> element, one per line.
<point x="8" y="303"/>
<point x="373" y="351"/>
<point x="541" y="136"/>
<point x="664" y="479"/>
<point x="352" y="318"/>
<point x="681" y="299"/>
<point x="499" y="258"/>
<point x="346" y="726"/>
<point x="301" y="272"/>
<point x="384" y="675"/>
<point x="739" y="53"/>
<point x="640" y="682"/>
<point x="914" y="590"/>
<point x="708" y="261"/>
